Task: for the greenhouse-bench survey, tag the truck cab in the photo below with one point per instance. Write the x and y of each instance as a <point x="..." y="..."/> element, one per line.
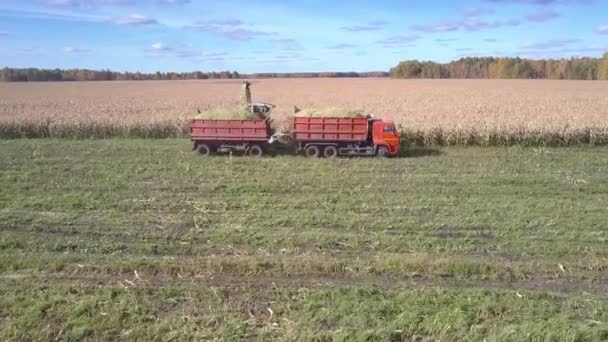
<point x="385" y="137"/>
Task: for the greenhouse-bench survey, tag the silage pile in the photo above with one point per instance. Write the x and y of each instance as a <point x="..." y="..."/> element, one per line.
<point x="283" y="120"/>
<point x="226" y="113"/>
<point x="330" y="112"/>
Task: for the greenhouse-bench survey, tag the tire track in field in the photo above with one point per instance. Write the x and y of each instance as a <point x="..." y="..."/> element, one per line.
<point x="249" y="283"/>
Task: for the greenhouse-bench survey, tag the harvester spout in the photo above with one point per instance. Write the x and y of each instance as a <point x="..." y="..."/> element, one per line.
<point x="246" y="94"/>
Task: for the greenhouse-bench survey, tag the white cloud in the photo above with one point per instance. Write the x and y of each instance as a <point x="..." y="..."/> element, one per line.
<point x="72" y="49"/>
<point x="551" y="44"/>
<point x="370" y="26"/>
<point x="135" y="20"/>
<point x="172" y="2"/>
<point x="476" y="11"/>
<point x="542" y="16"/>
<point x="602" y="29"/>
<point x="160" y="49"/>
<point x="62" y="3"/>
<point x="159" y="46"/>
<point x="343" y="46"/>
<point x="398" y="40"/>
<point x="87" y="3"/>
<point x="232" y="29"/>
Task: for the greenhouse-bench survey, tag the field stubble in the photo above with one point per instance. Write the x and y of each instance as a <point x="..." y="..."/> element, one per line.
<point x="431" y="112"/>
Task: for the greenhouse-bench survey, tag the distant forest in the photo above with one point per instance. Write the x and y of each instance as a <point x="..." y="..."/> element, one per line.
<point x="471" y="67"/>
<point x="506" y="68"/>
<point x="58" y="75"/>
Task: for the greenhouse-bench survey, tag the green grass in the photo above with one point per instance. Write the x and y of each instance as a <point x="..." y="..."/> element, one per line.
<point x="142" y="240"/>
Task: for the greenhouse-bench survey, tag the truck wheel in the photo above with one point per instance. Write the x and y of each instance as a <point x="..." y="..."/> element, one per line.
<point x="312" y="151"/>
<point x="330" y="152"/>
<point x="203" y="150"/>
<point x="382" y="152"/>
<point x="256" y="151"/>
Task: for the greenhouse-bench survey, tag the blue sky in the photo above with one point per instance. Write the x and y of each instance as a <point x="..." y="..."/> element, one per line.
<point x="291" y="35"/>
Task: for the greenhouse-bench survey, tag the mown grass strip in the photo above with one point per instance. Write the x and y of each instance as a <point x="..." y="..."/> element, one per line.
<point x="192" y="312"/>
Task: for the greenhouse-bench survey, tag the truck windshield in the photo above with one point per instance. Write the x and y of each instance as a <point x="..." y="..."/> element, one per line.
<point x="389" y="129"/>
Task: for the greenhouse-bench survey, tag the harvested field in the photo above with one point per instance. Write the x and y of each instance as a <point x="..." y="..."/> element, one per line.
<point x="135" y="239"/>
<point x="432" y="112"/>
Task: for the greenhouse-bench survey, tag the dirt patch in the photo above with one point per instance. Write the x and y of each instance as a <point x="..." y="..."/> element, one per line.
<point x="452" y="232"/>
<point x="449" y="233"/>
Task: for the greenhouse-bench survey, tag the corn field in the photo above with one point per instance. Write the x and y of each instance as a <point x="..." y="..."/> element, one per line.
<point x="430" y="112"/>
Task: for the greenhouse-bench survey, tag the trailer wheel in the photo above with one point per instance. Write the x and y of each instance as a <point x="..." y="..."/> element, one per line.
<point x="330" y="152"/>
<point x="256" y="151"/>
<point x="382" y="152"/>
<point x="312" y="151"/>
<point x="203" y="150"/>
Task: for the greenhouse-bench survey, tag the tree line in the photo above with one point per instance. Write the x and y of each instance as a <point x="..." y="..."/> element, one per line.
<point x="58" y="75"/>
<point x="507" y="68"/>
<point x="43" y="75"/>
<point x="470" y="67"/>
<point x="319" y="74"/>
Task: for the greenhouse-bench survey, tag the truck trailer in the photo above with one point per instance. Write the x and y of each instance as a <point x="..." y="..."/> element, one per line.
<point x="332" y="137"/>
<point x="251" y="137"/>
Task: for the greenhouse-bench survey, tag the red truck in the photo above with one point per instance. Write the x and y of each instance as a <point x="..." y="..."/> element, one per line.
<point x="332" y="137"/>
<point x="224" y="136"/>
<point x="316" y="137"/>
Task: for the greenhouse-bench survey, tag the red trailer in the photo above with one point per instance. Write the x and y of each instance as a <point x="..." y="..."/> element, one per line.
<point x="249" y="136"/>
<point x="331" y="137"/>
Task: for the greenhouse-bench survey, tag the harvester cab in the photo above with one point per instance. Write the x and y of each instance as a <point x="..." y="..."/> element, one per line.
<point x="261" y="108"/>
